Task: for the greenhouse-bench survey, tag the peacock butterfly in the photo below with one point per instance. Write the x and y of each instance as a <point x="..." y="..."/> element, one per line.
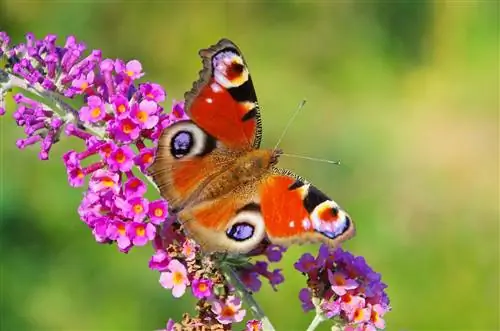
<point x="227" y="192"/>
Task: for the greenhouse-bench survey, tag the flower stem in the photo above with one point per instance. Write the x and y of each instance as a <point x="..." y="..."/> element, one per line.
<point x="257" y="311"/>
<point x="318" y="319"/>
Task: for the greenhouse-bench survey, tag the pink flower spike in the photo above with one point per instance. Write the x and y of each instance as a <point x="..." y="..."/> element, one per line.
<point x="157" y="211"/>
<point x="189" y="249"/>
<point x="330" y="308"/>
<point x="94" y="112"/>
<point x="76" y="177"/>
<point x="141" y="233"/>
<point x="137" y="208"/>
<point x="133" y="69"/>
<point x="349" y="302"/>
<point x="175" y="279"/>
<point x="159" y="261"/>
<point x="121" y="159"/>
<point x="170" y="325"/>
<point x="253" y="325"/>
<point x="145" y="114"/>
<point x="152" y="91"/>
<point x="178" y="112"/>
<point x="359" y="315"/>
<point x="125" y="130"/>
<point x="117" y="230"/>
<point x="229" y="311"/>
<point x="134" y="187"/>
<point x="100" y="229"/>
<point x="120" y="105"/>
<point x="145" y="158"/>
<point x="104" y="180"/>
<point x="377" y="311"/>
<point x="82" y="83"/>
<point x="340" y="283"/>
<point x="202" y="288"/>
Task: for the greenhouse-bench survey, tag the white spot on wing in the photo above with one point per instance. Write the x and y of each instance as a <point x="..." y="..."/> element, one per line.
<point x="306" y="224"/>
<point x="209" y="100"/>
<point x="291" y="224"/>
<point x="216" y="88"/>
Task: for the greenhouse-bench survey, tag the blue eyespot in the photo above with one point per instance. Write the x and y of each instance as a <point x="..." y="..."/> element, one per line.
<point x="181" y="144"/>
<point x="240" y="231"/>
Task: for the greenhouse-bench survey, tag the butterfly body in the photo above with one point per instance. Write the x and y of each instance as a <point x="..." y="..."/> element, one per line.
<point x="228" y="193"/>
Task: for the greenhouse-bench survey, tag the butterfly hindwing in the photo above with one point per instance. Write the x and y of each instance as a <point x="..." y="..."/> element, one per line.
<point x="230" y="223"/>
<point x="223" y="101"/>
<point x="296" y="211"/>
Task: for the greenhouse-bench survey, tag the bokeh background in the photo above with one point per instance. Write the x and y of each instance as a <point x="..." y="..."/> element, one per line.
<point x="405" y="93"/>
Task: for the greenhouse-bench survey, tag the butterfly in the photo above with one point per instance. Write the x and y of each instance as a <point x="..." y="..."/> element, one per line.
<point x="227" y="191"/>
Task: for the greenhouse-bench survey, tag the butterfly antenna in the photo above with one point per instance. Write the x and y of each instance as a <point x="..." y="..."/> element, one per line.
<point x="290" y="121"/>
<point x="312" y="158"/>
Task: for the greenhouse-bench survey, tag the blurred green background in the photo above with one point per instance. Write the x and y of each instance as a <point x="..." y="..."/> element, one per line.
<point x="404" y="93"/>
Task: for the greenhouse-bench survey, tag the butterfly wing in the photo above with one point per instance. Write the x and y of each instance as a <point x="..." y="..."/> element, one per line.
<point x="225" y="121"/>
<point x="295" y="211"/>
<point x="230" y="223"/>
<point x="187" y="158"/>
<point x="282" y="206"/>
<point x="223" y="101"/>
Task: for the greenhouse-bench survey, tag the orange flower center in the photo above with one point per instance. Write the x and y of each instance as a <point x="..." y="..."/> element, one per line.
<point x="106" y="150"/>
<point x="79" y="174"/>
<point x="107" y="182"/>
<point x="130" y="73"/>
<point x="358" y="314"/>
<point x="228" y="311"/>
<point x="142" y="116"/>
<point x="158" y="212"/>
<point x="120" y="157"/>
<point x="140" y="231"/>
<point x="178" y="278"/>
<point x="121" y="229"/>
<point x="202" y="287"/>
<point x="339" y="280"/>
<point x="127" y="127"/>
<point x="347" y="298"/>
<point x="121" y="108"/>
<point x="95" y="112"/>
<point x="84" y="86"/>
<point x="138" y="209"/>
<point x="147" y="158"/>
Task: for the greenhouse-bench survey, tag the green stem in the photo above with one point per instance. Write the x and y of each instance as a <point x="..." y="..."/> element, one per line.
<point x="318" y="319"/>
<point x="257" y="311"/>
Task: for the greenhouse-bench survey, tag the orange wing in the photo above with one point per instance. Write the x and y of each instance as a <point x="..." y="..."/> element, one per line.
<point x="223" y="101"/>
<point x="295" y="211"/>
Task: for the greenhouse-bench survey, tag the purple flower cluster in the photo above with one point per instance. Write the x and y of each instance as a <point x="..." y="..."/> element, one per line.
<point x="129" y="120"/>
<point x="251" y="273"/>
<point x="181" y="265"/>
<point x="345" y="288"/>
<point x="119" y="122"/>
